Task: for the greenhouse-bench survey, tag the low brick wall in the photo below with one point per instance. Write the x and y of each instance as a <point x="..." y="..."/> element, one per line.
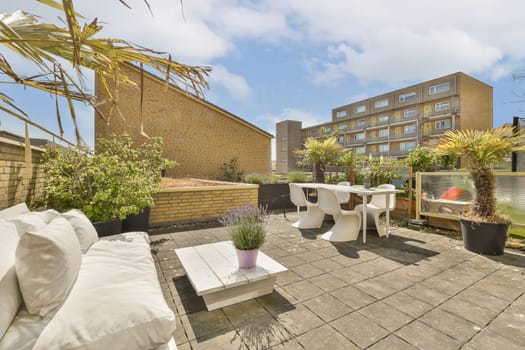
<point x="191" y="204"/>
<point x="15" y="184"/>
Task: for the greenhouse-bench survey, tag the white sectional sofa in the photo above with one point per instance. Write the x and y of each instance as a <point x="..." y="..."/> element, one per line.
<point x="63" y="288"/>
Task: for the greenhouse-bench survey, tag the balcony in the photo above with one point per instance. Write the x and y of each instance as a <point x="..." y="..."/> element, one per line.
<point x="399" y="153"/>
<point x="403" y="120"/>
<point x="376" y="139"/>
<point x="355" y="142"/>
<point x="440" y="114"/>
<point x="401" y="136"/>
<point x="372" y="124"/>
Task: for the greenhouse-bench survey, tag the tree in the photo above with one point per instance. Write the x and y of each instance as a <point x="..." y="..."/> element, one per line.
<point x="319" y="153"/>
<point x="47" y="46"/>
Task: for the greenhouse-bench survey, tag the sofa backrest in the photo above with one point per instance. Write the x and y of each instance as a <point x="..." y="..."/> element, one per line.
<point x="13" y="211"/>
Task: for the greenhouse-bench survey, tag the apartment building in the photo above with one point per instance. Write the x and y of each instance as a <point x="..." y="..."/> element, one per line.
<point x="394" y="123"/>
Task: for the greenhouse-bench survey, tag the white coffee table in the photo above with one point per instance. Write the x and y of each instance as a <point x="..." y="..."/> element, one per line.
<point x="214" y="274"/>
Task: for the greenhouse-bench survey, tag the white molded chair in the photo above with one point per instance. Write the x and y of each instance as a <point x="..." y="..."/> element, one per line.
<point x="376" y="207"/>
<point x="314" y="215"/>
<point x="347" y="222"/>
<point x="343" y="197"/>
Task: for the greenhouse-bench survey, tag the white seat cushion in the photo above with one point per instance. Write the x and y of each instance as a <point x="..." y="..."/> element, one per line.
<point x="28" y="222"/>
<point x="47" y="264"/>
<point x="116" y="302"/>
<point x="15" y="210"/>
<point x="10" y="298"/>
<point x="86" y="233"/>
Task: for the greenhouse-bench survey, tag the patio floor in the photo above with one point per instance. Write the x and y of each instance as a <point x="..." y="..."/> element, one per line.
<point x="414" y="290"/>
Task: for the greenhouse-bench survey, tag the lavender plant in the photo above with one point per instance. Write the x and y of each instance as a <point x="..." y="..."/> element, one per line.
<point x="246" y="226"/>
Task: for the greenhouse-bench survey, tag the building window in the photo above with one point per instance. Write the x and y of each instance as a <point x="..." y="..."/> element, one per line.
<point x="381" y="103"/>
<point x="442" y="124"/>
<point x="384" y="148"/>
<point x="360" y="150"/>
<point x="383" y="133"/>
<point x="327" y="130"/>
<point x="360" y="109"/>
<point x="382" y="119"/>
<point x="360" y="136"/>
<point x="442" y="106"/>
<point x="343" y="127"/>
<point x="410" y="129"/>
<point x="341" y="139"/>
<point x="361" y="123"/>
<point x="407" y="146"/>
<point x="409" y="113"/>
<point x="439" y="88"/>
<point x="407" y="97"/>
<point x="340" y="114"/>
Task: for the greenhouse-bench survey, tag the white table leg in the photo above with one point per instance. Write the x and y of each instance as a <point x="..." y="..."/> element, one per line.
<point x="387" y="214"/>
<point x="365" y="201"/>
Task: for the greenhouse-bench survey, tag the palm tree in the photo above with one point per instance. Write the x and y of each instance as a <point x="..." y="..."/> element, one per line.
<point x="319" y="153"/>
<point x="480" y="150"/>
<point x="48" y="45"/>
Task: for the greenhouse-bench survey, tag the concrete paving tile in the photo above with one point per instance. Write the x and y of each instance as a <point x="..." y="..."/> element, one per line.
<point x="310" y="256"/>
<point x="450" y="324"/>
<point x="353" y="297"/>
<point x="376" y="267"/>
<point x="392" y="343"/>
<point x="327" y="307"/>
<point x="327" y="265"/>
<point x="306" y="270"/>
<point x="323" y="338"/>
<point x="244" y="312"/>
<point x="287" y="278"/>
<point x="221" y="341"/>
<point x="328" y="252"/>
<point x="487" y="340"/>
<point x="510" y="324"/>
<point x="185" y="346"/>
<point x="201" y="325"/>
<point x="263" y="333"/>
<point x="348" y="275"/>
<point x="375" y="287"/>
<point x="469" y="311"/>
<point x="426" y="294"/>
<point x="302" y="290"/>
<point x="327" y="282"/>
<point x="385" y="315"/>
<point x="359" y="329"/>
<point x="291" y="260"/>
<point x="395" y="280"/>
<point x="288" y="345"/>
<point x="422" y="336"/>
<point x="501" y="286"/>
<point x="443" y="286"/>
<point x="275" y="253"/>
<point x="346" y="260"/>
<point x="276" y="302"/>
<point x="407" y="304"/>
<point x="299" y="320"/>
<point x="419" y="272"/>
<point x="483" y="299"/>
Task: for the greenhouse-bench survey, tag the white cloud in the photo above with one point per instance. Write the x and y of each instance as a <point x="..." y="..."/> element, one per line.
<point x="235" y="84"/>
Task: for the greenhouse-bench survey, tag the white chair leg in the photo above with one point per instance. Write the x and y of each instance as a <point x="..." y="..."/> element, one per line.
<point x="381" y="229"/>
<point x="346" y="228"/>
<point x="312" y="219"/>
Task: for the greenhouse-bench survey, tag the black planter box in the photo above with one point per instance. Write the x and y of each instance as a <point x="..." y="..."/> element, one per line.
<point x="275" y="196"/>
<point x="137" y="222"/>
<point x="108" y="228"/>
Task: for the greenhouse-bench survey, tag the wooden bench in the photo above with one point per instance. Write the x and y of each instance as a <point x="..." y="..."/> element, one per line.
<point x="214" y="274"/>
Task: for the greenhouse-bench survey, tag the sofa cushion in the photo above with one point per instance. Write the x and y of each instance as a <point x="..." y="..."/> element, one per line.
<point x="47" y="264"/>
<point x="116" y="302"/>
<point x="24" y="330"/>
<point x="15" y="210"/>
<point x="10" y="299"/>
<point x="86" y="233"/>
<point x="28" y="222"/>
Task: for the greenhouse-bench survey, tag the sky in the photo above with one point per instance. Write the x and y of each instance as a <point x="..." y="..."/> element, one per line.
<point x="275" y="60"/>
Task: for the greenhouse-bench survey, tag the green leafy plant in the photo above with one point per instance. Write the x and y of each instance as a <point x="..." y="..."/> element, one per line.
<point x="254" y="179"/>
<point x="116" y="181"/>
<point x="274" y="179"/>
<point x="319" y="153"/>
<point x="231" y="170"/>
<point x="246" y="226"/>
<point x="298" y="176"/>
<point x="420" y="159"/>
<point x="481" y="149"/>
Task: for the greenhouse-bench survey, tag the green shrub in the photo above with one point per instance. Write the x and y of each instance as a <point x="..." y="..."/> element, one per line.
<point x="299" y="177"/>
<point x="231" y="170"/>
<point x="246" y="226"/>
<point x="274" y="179"/>
<point x="254" y="179"/>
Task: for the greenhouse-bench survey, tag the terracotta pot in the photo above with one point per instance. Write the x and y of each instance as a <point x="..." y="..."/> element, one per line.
<point x="247" y="258"/>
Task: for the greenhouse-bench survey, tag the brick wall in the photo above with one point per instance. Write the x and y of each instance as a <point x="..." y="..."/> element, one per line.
<point x="200" y="203"/>
<point x="197" y="134"/>
<point x="15" y="185"/>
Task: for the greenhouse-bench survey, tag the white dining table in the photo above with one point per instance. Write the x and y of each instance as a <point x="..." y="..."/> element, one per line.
<point x="360" y="191"/>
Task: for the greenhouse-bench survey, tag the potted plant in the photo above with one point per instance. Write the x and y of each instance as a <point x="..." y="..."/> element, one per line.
<point x="484" y="230"/>
<point x="246" y="226"/>
<point x="110" y="185"/>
